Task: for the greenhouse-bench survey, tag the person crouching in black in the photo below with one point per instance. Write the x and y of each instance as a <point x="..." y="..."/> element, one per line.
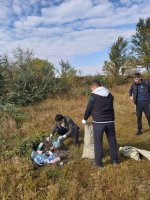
<point x="66" y="127"/>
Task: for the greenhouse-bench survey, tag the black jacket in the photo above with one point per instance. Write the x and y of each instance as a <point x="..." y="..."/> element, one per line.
<point x="100" y="107"/>
<point x="134" y="90"/>
<point x="69" y="124"/>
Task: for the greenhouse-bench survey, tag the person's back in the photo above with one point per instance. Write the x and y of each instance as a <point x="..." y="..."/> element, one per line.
<point x="100" y="105"/>
<point x="103" y="108"/>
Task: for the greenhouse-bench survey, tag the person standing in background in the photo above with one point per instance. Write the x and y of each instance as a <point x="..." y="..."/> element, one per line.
<point x="139" y="93"/>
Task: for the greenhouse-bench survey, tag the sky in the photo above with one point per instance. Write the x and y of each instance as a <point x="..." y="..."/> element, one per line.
<point x="78" y="31"/>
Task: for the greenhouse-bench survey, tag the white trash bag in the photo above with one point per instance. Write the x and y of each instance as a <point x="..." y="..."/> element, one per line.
<point x="134" y="153"/>
<point x="88" y="150"/>
<point x="130" y="152"/>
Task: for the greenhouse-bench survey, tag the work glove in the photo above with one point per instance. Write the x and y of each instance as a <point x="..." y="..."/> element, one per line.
<point x="62" y="137"/>
<point x="48" y="139"/>
<point x="83" y="121"/>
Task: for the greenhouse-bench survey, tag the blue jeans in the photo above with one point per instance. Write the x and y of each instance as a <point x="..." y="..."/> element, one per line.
<point x="109" y="129"/>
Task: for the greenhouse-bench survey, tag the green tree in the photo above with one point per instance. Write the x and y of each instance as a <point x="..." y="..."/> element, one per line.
<point x="117" y="58"/>
<point x="33" y="79"/>
<point x="22" y="57"/>
<point x="141" y="43"/>
<point x="5" y="75"/>
<point x="67" y="76"/>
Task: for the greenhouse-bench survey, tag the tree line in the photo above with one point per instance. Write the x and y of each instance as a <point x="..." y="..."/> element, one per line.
<point x="125" y="56"/>
<point x="25" y="79"/>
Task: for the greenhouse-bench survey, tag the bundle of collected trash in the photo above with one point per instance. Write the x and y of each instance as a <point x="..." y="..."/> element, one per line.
<point x="48" y="152"/>
<point x="134" y="153"/>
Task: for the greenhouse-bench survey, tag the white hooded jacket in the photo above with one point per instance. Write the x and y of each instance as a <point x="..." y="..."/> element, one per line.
<point x="101" y="91"/>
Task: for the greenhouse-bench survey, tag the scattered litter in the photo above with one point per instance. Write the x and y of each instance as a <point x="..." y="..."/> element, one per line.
<point x="134" y="153"/>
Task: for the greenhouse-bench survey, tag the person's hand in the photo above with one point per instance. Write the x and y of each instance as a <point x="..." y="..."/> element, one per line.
<point x="60" y="137"/>
<point x="48" y="139"/>
<point x="131" y="98"/>
<point x="64" y="136"/>
<point x="83" y="121"/>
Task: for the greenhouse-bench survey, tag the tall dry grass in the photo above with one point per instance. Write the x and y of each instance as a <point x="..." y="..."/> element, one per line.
<point x="20" y="179"/>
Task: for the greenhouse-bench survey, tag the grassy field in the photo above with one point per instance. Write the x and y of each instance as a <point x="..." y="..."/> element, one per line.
<point x="79" y="179"/>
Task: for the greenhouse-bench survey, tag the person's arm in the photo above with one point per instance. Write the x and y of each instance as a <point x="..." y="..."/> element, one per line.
<point x="131" y="92"/>
<point x="70" y="126"/>
<point x="53" y="131"/>
<point x="149" y="87"/>
<point x="89" y="108"/>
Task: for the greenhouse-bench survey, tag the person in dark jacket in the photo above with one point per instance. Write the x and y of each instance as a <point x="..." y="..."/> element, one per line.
<point x="66" y="127"/>
<point x="100" y="106"/>
<point x="140" y="94"/>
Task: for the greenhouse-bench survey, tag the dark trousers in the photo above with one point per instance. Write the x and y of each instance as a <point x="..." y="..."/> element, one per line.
<point x="140" y="108"/>
<point x="74" y="132"/>
<point x="109" y="129"/>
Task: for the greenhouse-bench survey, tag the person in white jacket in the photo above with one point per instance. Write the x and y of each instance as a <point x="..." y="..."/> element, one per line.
<point x="101" y="108"/>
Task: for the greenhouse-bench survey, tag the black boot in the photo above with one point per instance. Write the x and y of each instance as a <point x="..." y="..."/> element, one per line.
<point x="139" y="132"/>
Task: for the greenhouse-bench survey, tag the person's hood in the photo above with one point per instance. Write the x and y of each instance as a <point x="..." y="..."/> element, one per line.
<point x="101" y="91"/>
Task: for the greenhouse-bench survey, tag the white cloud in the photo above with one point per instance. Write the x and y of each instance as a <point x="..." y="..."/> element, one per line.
<point x="28" y="22"/>
<point x="68" y="9"/>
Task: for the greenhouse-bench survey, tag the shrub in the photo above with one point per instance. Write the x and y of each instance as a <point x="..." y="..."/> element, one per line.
<point x="13" y="111"/>
<point x="53" y="173"/>
<point x="120" y="80"/>
<point x="5" y="76"/>
<point x="24" y="147"/>
<point x="33" y="79"/>
<point x="67" y="78"/>
<point x="87" y="80"/>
